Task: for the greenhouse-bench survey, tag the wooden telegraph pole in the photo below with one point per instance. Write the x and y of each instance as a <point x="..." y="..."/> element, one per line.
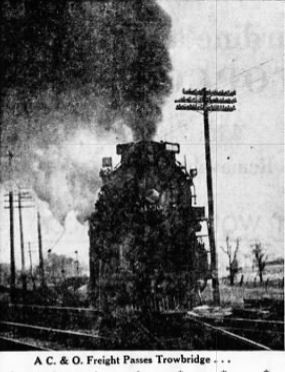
<point x="31" y="265"/>
<point x="18" y="204"/>
<point x="24" y="277"/>
<point x="40" y="246"/>
<point x="12" y="248"/>
<point x="206" y="100"/>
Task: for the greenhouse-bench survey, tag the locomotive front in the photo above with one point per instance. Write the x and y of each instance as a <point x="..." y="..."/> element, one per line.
<point x="144" y="251"/>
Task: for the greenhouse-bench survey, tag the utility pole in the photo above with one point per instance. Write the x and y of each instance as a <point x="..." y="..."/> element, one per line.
<point x="12" y="248"/>
<point x="76" y="263"/>
<point x="76" y="269"/>
<point x="41" y="260"/>
<point x="10" y="206"/>
<point x="22" y="196"/>
<point x="206" y="100"/>
<point x="31" y="265"/>
<point x="24" y="278"/>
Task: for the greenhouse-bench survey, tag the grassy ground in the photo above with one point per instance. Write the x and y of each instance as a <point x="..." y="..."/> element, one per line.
<point x="235" y="295"/>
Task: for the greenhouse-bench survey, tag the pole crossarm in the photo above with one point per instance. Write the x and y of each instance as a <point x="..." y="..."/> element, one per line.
<point x="222" y="100"/>
<point x="200" y="107"/>
<point x="207" y="100"/>
<point x="191" y="107"/>
<point x="20" y="207"/>
<point x="18" y="198"/>
<point x="23" y="196"/>
<point x="221" y="108"/>
<point x="213" y="92"/>
<point x="210" y="100"/>
<point x="189" y="100"/>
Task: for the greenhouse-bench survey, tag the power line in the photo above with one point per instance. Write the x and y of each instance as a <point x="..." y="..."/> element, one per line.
<point x="234" y="77"/>
<point x="243" y="71"/>
<point x="54" y="244"/>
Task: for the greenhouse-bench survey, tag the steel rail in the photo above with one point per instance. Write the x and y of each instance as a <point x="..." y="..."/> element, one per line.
<point x="57" y="308"/>
<point x="51" y="330"/>
<point x="22" y="345"/>
<point x="251" y="330"/>
<point x="234" y="336"/>
<point x="261" y="324"/>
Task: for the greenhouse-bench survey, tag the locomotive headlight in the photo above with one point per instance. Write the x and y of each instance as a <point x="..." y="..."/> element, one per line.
<point x="173" y="147"/>
<point x="193" y="172"/>
<point x="152" y="196"/>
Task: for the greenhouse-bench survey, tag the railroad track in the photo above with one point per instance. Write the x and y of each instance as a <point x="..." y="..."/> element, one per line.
<point x="78" y="328"/>
<point x="208" y="336"/>
<point x="62" y="317"/>
<point x="226" y="337"/>
<point x="48" y="338"/>
<point x="267" y="332"/>
<point x="254" y="324"/>
<point x="12" y="344"/>
<point x="68" y="327"/>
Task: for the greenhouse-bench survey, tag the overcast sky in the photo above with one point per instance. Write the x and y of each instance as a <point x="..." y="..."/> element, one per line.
<point x="233" y="45"/>
<point x="228" y="45"/>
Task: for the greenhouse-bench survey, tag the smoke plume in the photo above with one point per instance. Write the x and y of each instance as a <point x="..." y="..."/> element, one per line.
<point x="75" y="75"/>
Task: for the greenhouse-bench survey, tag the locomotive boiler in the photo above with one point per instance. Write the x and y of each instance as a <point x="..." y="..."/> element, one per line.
<point x="144" y="248"/>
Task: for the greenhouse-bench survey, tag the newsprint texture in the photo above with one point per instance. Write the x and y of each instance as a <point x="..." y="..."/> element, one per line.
<point x="142" y="185"/>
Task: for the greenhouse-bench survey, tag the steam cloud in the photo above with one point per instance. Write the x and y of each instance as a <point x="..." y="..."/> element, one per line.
<point x="75" y="74"/>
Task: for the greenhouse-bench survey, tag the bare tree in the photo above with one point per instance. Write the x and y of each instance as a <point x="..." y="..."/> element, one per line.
<point x="260" y="259"/>
<point x="233" y="267"/>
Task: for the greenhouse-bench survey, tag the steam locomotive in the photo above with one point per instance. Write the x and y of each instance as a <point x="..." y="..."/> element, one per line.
<point x="144" y="248"/>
